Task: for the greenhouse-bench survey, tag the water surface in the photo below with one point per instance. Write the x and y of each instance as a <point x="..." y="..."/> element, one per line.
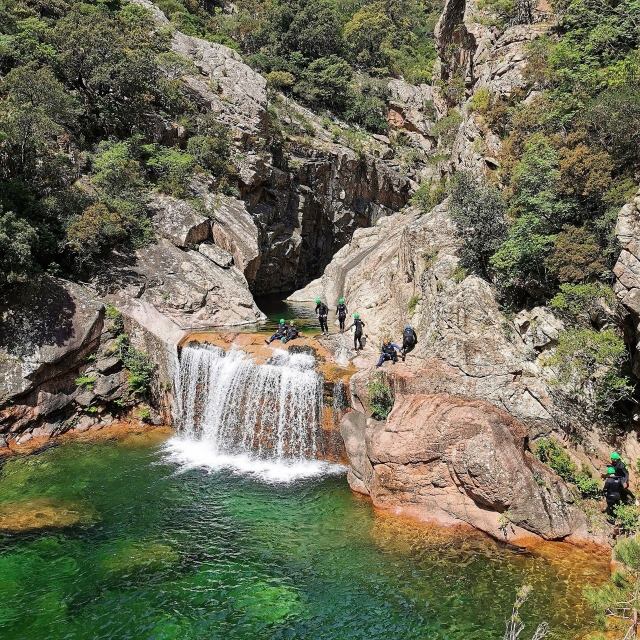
<point x="167" y="550"/>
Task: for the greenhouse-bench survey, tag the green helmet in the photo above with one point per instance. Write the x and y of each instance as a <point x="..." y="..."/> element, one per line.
<point x="318" y="300"/>
<point x="281" y="320"/>
<point x="615" y="456"/>
<point x="341" y="300"/>
<point x="356" y="315"/>
<point x="610" y="470"/>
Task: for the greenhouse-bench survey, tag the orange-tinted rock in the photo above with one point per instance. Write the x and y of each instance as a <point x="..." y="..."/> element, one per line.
<point x="452" y="460"/>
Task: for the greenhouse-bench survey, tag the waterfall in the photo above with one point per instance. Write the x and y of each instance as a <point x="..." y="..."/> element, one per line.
<point x="261" y="411"/>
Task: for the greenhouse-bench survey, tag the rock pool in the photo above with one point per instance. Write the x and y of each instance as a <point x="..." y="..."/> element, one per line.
<point x="174" y="551"/>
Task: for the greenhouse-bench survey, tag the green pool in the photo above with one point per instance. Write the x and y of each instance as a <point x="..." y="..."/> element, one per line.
<point x="138" y="546"/>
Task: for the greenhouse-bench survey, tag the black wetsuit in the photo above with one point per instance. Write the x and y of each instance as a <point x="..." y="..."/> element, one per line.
<point x="357" y="336"/>
<point x="292" y="333"/>
<point x="409" y="340"/>
<point x="623" y="473"/>
<point x="279" y="334"/>
<point x="322" y="311"/>
<point x="341" y="312"/>
<point x="612" y="491"/>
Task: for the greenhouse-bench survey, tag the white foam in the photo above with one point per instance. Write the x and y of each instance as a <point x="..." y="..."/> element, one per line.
<point x="190" y="453"/>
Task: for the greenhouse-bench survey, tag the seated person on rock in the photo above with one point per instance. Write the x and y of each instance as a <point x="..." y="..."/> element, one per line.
<point x="388" y="352"/>
<point x="409" y="341"/>
<point x="292" y="332"/>
<point x="612" y="491"/>
<point x="280" y="333"/>
<point x="622" y="472"/>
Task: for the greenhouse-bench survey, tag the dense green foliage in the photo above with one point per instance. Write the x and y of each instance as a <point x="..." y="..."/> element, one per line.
<point x="547" y="450"/>
<point x="380" y="397"/>
<point x="324" y="52"/>
<point x="85" y="85"/>
<point x="617" y="602"/>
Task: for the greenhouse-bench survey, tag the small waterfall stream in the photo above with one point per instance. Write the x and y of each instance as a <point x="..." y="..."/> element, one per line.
<point x="247" y="414"/>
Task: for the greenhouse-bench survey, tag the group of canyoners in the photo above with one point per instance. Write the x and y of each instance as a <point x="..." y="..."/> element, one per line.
<point x="388" y="350"/>
<point x="616" y="486"/>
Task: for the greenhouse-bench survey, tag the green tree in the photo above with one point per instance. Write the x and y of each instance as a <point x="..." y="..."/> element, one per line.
<point x="478" y="212"/>
<point x="17" y="238"/>
<point x="370" y="34"/>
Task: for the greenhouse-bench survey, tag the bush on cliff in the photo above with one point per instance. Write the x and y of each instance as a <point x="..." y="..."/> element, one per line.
<point x="380" y="397"/>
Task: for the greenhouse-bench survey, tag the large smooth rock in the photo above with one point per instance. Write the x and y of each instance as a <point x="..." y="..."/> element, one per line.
<point x="46" y="326"/>
<point x="453" y="460"/>
<point x="185" y="286"/>
<point x="177" y="221"/>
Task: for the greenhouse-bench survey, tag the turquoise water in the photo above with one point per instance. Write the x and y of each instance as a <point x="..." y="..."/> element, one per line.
<point x="160" y="553"/>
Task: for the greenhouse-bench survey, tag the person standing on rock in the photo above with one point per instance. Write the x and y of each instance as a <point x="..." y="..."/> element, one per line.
<point x="292" y="332"/>
<point x="357" y="336"/>
<point x="341" y="312"/>
<point x="622" y="472"/>
<point x="280" y="333"/>
<point x="322" y="311"/>
<point x="409" y="341"/>
<point x="612" y="491"/>
<point x="388" y="352"/>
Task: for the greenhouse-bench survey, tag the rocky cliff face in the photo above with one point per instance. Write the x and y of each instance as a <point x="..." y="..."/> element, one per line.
<point x="453" y="460"/>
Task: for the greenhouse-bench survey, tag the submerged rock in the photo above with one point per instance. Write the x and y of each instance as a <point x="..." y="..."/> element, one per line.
<point x="452" y="460"/>
<point x="43" y="513"/>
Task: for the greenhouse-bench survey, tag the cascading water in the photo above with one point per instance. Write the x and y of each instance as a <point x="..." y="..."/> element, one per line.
<point x="262" y="418"/>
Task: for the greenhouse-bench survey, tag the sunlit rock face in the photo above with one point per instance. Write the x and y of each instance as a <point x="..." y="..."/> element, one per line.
<point x="453" y="460"/>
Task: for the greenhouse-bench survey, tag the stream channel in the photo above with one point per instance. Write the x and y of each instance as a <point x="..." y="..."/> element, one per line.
<point x="192" y="538"/>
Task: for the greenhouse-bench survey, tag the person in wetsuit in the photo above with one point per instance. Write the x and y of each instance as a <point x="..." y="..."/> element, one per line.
<point x="280" y="333"/>
<point x="322" y="311"/>
<point x="623" y="473"/>
<point x="612" y="491"/>
<point x="341" y="312"/>
<point x="292" y="332"/>
<point x="388" y="352"/>
<point x="357" y="336"/>
<point x="409" y="341"/>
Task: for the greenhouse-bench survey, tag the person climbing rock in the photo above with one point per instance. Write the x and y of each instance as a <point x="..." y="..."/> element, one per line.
<point x="612" y="491"/>
<point x="622" y="472"/>
<point x="357" y="336"/>
<point x="280" y="333"/>
<point x="322" y="311"/>
<point x="388" y="352"/>
<point x="341" y="312"/>
<point x="292" y="332"/>
<point x="409" y="341"/>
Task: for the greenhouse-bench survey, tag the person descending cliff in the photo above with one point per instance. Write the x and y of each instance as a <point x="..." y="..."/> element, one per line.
<point x="292" y="333"/>
<point x="622" y="472"/>
<point x="409" y="341"/>
<point x="280" y="333"/>
<point x="388" y="352"/>
<point x="341" y="312"/>
<point x="357" y="336"/>
<point x="612" y="491"/>
<point x="322" y="311"/>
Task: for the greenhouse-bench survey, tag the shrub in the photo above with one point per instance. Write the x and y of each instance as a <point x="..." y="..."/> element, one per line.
<point x="547" y="450"/>
<point x="171" y="169"/>
<point x="380" y="397"/>
<point x="17" y="239"/>
<point x="446" y="128"/>
<point x="590" y="362"/>
<point x="627" y="517"/>
<point x="139" y="366"/>
<point x="86" y="381"/>
<point x="480" y="101"/>
<point x="575" y="300"/>
<point x="589" y="487"/>
<point x="412" y="304"/>
<point x="576" y="256"/>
